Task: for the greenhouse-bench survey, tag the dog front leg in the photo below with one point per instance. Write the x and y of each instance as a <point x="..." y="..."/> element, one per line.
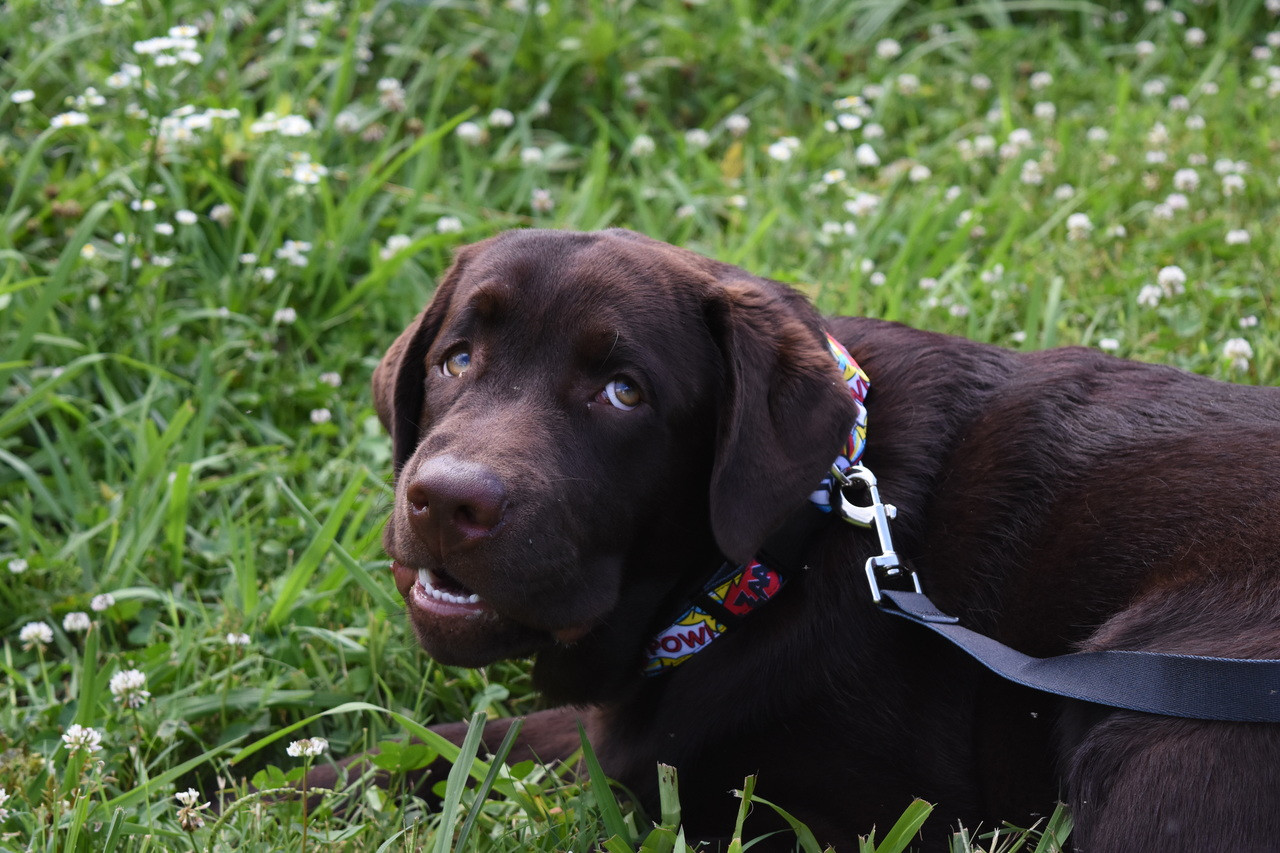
<point x="548" y="736"/>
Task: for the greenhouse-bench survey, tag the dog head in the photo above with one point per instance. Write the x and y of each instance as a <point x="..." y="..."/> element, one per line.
<point x="580" y="422"/>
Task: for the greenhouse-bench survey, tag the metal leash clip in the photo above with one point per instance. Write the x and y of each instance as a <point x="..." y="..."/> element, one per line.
<point x="874" y="516"/>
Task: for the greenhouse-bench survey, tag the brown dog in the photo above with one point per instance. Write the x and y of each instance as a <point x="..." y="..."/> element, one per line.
<point x="586" y="425"/>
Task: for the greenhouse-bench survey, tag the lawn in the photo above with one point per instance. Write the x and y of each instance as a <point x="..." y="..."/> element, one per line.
<point x="215" y="217"/>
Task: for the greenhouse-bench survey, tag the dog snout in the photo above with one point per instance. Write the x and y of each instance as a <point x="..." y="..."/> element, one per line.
<point x="454" y="504"/>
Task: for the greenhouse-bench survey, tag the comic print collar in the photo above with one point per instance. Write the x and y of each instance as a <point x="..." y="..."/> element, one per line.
<point x="735" y="591"/>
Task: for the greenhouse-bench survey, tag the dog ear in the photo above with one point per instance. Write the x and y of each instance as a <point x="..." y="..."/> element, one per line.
<point x="785" y="416"/>
<point x="399" y="379"/>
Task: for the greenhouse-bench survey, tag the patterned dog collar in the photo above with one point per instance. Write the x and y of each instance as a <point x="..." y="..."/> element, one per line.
<point x="735" y="591"/>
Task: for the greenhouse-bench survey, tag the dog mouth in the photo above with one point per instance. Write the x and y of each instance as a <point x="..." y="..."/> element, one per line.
<point x="442" y="587"/>
<point x="436" y="591"/>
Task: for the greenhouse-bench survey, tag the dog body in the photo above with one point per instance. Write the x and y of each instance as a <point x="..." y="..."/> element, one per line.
<point x="586" y="425"/>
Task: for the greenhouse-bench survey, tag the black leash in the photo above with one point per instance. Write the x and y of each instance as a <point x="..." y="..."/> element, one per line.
<point x="1172" y="685"/>
<point x="1199" y="688"/>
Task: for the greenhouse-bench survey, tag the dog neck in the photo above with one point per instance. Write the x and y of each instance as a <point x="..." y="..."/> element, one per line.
<point x="736" y="591"/>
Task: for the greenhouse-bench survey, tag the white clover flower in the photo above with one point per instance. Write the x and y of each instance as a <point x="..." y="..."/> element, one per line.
<point x="164" y="229"/>
<point x="737" y="124"/>
<point x="17" y="566"/>
<point x="104" y="601"/>
<point x="980" y="82"/>
<point x="307" y="747"/>
<point x="331" y="378"/>
<point x="697" y="138"/>
<point x="1194" y="37"/>
<point x="294" y="252"/>
<point x="1237" y="237"/>
<point x="501" y="118"/>
<point x="1239" y="352"/>
<point x="391" y="93"/>
<point x="542" y="201"/>
<point x="72" y="118"/>
<point x="189" y="817"/>
<point x="737" y="200"/>
<point x="35" y="635"/>
<point x="642" y="146"/>
<point x="1180" y="103"/>
<point x="1144" y="49"/>
<point x="1079" y="226"/>
<point x="22" y="96"/>
<point x="848" y="121"/>
<point x="186" y="217"/>
<point x="1172" y="280"/>
<point x="4" y="798"/>
<point x="919" y="173"/>
<point x="1041" y="80"/>
<point x="1232" y="184"/>
<point x="1186" y="180"/>
<point x="305" y="172"/>
<point x="470" y="133"/>
<point x="76" y="621"/>
<point x="1108" y="344"/>
<point x="448" y="225"/>
<point x="82" y="739"/>
<point x="1177" y="201"/>
<point x="235" y="639"/>
<point x="1097" y="134"/>
<point x="129" y="688"/>
<point x="1248" y="322"/>
<point x="223" y="214"/>
<point x="285" y="317"/>
<point x="780" y="151"/>
<point x="873" y="131"/>
<point x="1045" y="111"/>
<point x="1149" y="296"/>
<point x="321" y="416"/>
<point x="531" y="156"/>
<point x="347" y="121"/>
<point x="1062" y="192"/>
<point x="395" y="244"/>
<point x="907" y="84"/>
<point x="1031" y="173"/>
<point x="888" y="49"/>
<point x="1154" y="88"/>
<point x="865" y="155"/>
<point x="863" y="204"/>
<point x="188" y="797"/>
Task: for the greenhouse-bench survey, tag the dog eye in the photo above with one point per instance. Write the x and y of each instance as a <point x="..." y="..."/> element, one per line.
<point x="621" y="394"/>
<point x="457" y="363"/>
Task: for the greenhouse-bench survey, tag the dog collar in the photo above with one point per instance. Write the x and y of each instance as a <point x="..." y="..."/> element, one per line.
<point x="734" y="591"/>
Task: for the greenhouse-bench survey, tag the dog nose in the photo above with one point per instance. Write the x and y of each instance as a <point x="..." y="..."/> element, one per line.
<point x="454" y="504"/>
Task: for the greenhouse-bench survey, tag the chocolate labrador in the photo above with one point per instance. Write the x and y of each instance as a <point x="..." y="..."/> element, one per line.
<point x="591" y="431"/>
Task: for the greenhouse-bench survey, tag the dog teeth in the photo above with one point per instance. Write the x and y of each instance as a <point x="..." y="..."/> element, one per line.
<point x="424" y="579"/>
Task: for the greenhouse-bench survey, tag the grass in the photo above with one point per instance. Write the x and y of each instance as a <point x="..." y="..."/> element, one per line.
<point x="184" y="420"/>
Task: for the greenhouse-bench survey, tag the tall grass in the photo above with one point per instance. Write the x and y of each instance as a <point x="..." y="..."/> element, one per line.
<point x="206" y="243"/>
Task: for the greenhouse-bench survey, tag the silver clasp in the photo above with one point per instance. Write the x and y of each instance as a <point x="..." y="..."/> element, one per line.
<point x="873" y="516"/>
